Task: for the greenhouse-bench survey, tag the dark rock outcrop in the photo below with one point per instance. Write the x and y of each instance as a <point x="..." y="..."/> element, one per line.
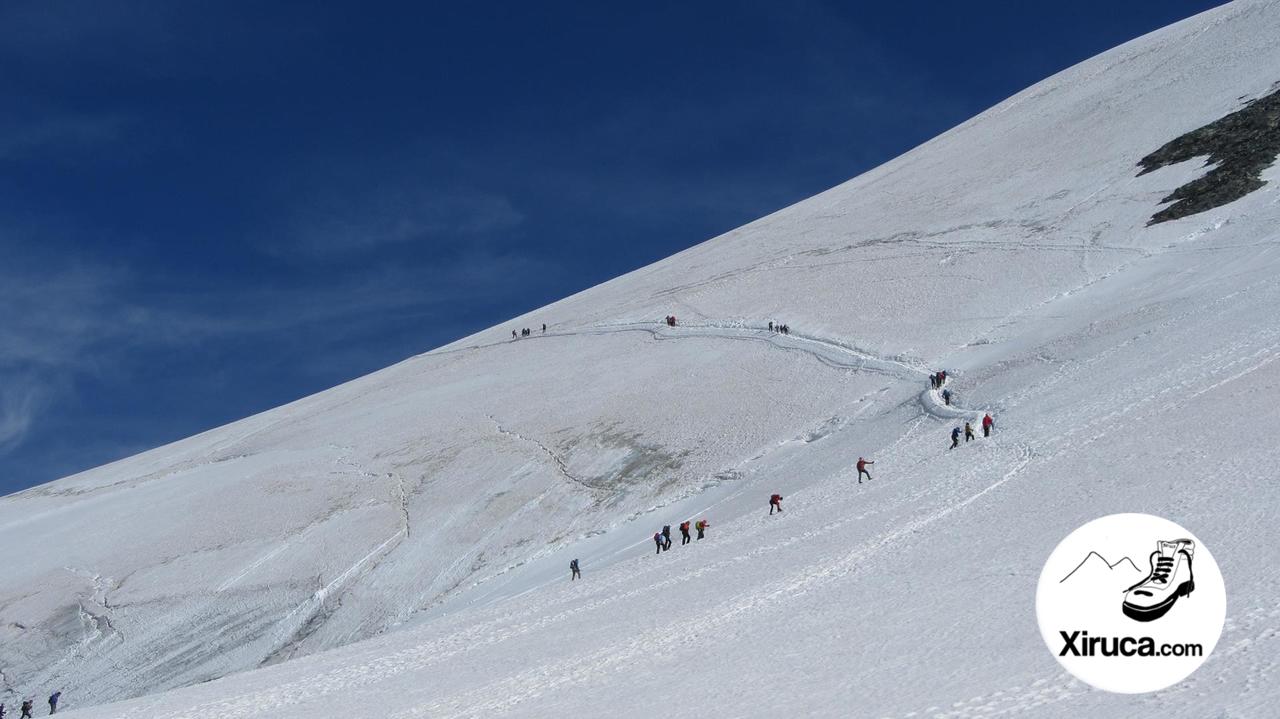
<point x="1240" y="145"/>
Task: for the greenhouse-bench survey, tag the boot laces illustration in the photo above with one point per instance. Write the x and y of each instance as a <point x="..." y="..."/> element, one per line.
<point x="1170" y="578"/>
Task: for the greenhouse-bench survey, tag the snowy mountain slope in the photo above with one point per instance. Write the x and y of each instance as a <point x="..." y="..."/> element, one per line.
<point x="1131" y="368"/>
<point x="345" y="513"/>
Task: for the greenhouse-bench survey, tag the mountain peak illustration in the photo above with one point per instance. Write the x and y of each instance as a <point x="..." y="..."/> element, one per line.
<point x="1094" y="558"/>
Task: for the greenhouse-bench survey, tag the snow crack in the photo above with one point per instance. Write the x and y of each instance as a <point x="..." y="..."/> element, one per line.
<point x="561" y="467"/>
<point x="100" y="621"/>
<point x="404" y="502"/>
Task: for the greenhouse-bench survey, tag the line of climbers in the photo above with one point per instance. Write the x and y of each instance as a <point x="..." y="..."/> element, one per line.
<point x="526" y="332"/>
<point x="26" y="707"/>
<point x="936" y="382"/>
<point x="987" y="425"/>
<point x="661" y="541"/>
<point x="778" y="327"/>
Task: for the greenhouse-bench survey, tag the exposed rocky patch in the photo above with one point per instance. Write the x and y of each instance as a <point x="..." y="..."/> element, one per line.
<point x="1240" y="145"/>
<point x="615" y="460"/>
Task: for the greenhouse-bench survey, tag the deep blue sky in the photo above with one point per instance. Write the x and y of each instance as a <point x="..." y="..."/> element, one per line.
<point x="208" y="209"/>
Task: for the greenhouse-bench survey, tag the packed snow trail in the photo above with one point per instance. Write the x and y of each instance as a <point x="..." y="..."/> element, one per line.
<point x="831" y="352"/>
<point x="828" y="351"/>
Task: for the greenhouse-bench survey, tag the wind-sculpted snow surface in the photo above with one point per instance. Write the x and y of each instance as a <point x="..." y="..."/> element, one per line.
<point x="419" y="521"/>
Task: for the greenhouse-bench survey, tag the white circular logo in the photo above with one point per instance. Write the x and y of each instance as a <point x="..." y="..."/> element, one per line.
<point x="1131" y="603"/>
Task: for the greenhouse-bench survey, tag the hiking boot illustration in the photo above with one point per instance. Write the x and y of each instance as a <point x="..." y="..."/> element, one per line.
<point x="1169" y="579"/>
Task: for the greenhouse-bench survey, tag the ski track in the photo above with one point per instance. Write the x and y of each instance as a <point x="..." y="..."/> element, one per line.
<point x="1072" y="369"/>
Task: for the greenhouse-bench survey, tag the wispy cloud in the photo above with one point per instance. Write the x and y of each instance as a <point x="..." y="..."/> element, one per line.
<point x="50" y="318"/>
<point x="351" y="222"/>
<point x="49" y="324"/>
<point x="20" y="402"/>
